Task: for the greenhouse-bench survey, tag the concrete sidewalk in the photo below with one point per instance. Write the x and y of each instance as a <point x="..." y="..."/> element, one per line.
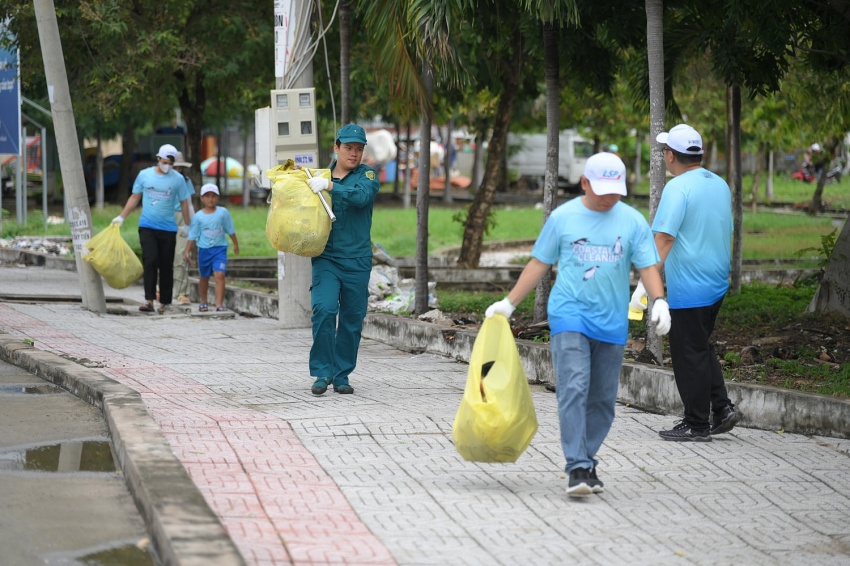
<point x="373" y="478"/>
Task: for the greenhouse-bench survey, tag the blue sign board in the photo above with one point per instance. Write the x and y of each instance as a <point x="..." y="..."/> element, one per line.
<point x="10" y="103"/>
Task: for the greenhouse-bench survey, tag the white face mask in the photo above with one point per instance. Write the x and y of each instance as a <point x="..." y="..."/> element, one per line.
<point x="165" y="167"/>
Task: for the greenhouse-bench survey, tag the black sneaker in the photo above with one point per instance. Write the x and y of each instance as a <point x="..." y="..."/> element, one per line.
<point x="580" y="482"/>
<point x="683" y="433"/>
<point x="725" y="420"/>
<point x="319" y="386"/>
<point x="596" y="484"/>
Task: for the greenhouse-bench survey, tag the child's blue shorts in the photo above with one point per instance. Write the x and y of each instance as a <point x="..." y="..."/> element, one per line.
<point x="212" y="259"/>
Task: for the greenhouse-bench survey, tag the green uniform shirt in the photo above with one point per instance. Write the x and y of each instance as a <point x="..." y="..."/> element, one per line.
<point x="353" y="200"/>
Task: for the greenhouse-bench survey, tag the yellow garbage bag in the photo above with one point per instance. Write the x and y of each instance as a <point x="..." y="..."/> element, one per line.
<point x="113" y="258"/>
<point x="496" y="419"/>
<point x="297" y="222"/>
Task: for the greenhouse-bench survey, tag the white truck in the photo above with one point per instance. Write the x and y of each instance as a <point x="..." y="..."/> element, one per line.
<point x="527" y="159"/>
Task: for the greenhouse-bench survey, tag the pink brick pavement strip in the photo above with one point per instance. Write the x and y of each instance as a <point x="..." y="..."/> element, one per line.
<point x="271" y="494"/>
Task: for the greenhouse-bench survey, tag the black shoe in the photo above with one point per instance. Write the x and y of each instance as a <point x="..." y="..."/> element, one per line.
<point x="344" y="389"/>
<point x="580" y="482"/>
<point x="683" y="433"/>
<point x="596" y="484"/>
<point x="725" y="420"/>
<point x="319" y="386"/>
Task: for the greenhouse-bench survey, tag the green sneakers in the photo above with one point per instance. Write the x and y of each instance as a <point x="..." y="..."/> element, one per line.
<point x="320" y="385"/>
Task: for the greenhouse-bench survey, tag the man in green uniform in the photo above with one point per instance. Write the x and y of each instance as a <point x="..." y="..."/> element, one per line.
<point x="340" y="286"/>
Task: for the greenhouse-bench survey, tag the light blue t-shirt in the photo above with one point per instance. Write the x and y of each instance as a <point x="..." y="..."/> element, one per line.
<point x="696" y="209"/>
<point x="189" y="187"/>
<point x="210" y="230"/>
<point x="595" y="252"/>
<point x="161" y="194"/>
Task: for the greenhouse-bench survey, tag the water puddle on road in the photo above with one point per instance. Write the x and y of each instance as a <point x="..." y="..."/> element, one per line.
<point x="129" y="555"/>
<point x="29" y="389"/>
<point x="65" y="457"/>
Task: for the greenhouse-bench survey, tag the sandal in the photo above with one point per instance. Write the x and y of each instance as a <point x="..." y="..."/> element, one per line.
<point x="204" y="307"/>
<point x="222" y="308"/>
<point x="147" y="307"/>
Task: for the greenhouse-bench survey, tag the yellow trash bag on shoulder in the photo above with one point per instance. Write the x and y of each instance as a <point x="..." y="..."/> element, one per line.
<point x="113" y="258"/>
<point x="297" y="222"/>
<point x="496" y="419"/>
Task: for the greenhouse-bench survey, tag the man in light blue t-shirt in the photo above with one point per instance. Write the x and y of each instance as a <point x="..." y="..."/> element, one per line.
<point x="693" y="232"/>
<point x="159" y="188"/>
<point x="595" y="240"/>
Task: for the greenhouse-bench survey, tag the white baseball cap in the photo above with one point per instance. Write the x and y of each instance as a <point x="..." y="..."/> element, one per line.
<point x="606" y="173"/>
<point x="167" y="151"/>
<point x="209" y="188"/>
<point x="683" y="139"/>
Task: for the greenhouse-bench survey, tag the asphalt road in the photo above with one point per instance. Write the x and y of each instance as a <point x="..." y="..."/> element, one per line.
<point x="62" y="502"/>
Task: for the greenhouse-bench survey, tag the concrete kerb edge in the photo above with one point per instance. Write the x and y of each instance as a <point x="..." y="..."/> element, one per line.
<point x="642" y="386"/>
<point x="183" y="527"/>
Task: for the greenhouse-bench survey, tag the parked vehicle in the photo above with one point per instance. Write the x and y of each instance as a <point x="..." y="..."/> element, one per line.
<point x="527" y="159"/>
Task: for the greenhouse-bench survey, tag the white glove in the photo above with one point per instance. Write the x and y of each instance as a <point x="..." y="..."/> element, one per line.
<point x="118" y="220"/>
<point x="661" y="316"/>
<point x="503" y="307"/>
<point x="318" y="184"/>
<point x="184" y="231"/>
<point x="640" y="293"/>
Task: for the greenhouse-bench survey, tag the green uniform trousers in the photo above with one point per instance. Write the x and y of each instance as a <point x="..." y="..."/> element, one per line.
<point x="339" y="295"/>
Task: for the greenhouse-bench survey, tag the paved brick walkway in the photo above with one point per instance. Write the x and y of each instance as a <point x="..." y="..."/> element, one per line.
<point x="373" y="478"/>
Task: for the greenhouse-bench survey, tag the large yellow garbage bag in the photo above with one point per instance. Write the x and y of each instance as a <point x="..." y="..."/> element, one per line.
<point x="113" y="258"/>
<point x="297" y="222"/>
<point x="496" y="419"/>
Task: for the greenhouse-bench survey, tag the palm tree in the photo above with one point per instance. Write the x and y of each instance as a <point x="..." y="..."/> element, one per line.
<point x="413" y="47"/>
<point x="655" y="59"/>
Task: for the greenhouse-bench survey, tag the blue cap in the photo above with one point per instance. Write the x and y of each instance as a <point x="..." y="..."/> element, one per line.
<point x="351" y="133"/>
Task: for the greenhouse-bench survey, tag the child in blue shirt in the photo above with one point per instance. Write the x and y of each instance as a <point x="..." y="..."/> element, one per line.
<point x="207" y="230"/>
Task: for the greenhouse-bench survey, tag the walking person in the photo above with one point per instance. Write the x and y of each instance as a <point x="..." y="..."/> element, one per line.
<point x="181" y="266"/>
<point x="594" y="240"/>
<point x="339" y="292"/>
<point x="693" y="232"/>
<point x="208" y="230"/>
<point x="159" y="189"/>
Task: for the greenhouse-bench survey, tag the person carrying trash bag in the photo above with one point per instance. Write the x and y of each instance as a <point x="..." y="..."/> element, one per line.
<point x="594" y="240"/>
<point x="339" y="291"/>
<point x="159" y="188"/>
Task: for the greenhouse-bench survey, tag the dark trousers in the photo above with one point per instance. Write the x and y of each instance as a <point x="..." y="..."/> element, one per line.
<point x="158" y="261"/>
<point x="695" y="365"/>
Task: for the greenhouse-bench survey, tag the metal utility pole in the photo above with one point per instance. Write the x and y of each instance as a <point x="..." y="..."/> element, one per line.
<point x="77" y="209"/>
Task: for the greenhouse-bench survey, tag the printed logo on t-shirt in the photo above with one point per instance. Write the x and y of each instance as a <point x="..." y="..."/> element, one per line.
<point x="586" y="252"/>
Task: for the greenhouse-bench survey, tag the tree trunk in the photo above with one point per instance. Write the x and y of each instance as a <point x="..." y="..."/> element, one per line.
<point x="128" y="148"/>
<point x="757" y="173"/>
<point x="833" y="293"/>
<point x="550" y="179"/>
<point x="193" y="113"/>
<point x="479" y="210"/>
<point x="422" y="193"/>
<point x="396" y="182"/>
<point x="345" y="60"/>
<point x="447" y="161"/>
<point x="733" y="159"/>
<point x="408" y="169"/>
<point x="657" y="104"/>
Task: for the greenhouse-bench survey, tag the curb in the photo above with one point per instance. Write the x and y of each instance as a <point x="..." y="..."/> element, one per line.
<point x="644" y="386"/>
<point x="183" y="528"/>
